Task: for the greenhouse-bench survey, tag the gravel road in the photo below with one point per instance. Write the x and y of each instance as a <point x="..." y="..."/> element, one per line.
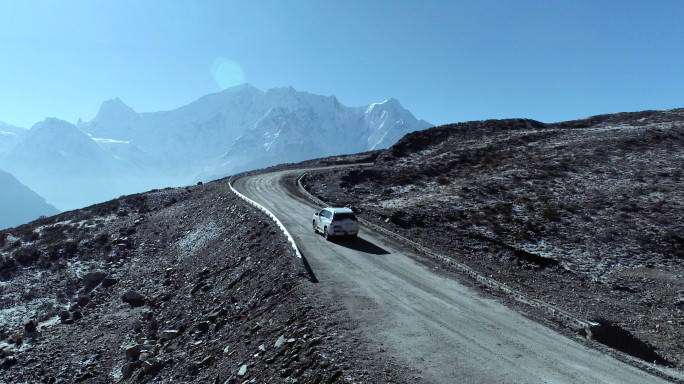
<point x="442" y="330"/>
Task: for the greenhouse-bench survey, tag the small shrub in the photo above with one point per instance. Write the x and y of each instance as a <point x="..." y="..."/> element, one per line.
<point x="124" y="231"/>
<point x="33" y="236"/>
<point x="45" y="260"/>
<point x="137" y="202"/>
<point x="102" y="239"/>
<point x="70" y="248"/>
<point x="7" y="265"/>
<point x="550" y="214"/>
<point x="25" y="232"/>
<point x="673" y="243"/>
<point x="503" y="208"/>
<point x="443" y="180"/>
<point x="65" y="249"/>
<point x="106" y="208"/>
<point x="27" y="255"/>
<point x="53" y="234"/>
<point x="30" y="294"/>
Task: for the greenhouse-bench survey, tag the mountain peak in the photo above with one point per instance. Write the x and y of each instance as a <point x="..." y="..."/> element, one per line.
<point x="115" y="109"/>
<point x="389" y="104"/>
<point x="52" y="124"/>
<point x="244" y="87"/>
<point x="115" y="103"/>
<point x="56" y="133"/>
<point x="281" y="91"/>
<point x="392" y="102"/>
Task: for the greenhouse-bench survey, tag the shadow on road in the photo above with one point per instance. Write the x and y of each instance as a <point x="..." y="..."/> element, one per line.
<point x="309" y="271"/>
<point x="362" y="245"/>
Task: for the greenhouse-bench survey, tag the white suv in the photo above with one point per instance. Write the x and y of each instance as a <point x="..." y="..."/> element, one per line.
<point x="336" y="222"/>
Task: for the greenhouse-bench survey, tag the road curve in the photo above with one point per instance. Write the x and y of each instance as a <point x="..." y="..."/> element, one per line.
<point x="442" y="330"/>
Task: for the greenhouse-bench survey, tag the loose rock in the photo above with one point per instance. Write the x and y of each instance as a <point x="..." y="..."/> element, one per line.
<point x="133" y="298"/>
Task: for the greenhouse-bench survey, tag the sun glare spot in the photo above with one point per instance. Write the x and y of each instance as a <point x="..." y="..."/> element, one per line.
<point x="227" y="73"/>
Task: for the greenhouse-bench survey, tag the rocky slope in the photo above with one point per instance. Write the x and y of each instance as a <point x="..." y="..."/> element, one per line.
<point x="585" y="215"/>
<point x="176" y="285"/>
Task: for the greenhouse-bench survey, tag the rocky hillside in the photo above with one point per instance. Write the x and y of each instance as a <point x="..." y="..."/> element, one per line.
<point x="176" y="285"/>
<point x="585" y="215"/>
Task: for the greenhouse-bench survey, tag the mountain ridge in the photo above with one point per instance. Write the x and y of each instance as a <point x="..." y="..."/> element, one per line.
<point x="237" y="129"/>
<point x="19" y="204"/>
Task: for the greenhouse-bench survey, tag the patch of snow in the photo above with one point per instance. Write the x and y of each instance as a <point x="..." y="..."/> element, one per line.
<point x="198" y="238"/>
<point x="111" y="141"/>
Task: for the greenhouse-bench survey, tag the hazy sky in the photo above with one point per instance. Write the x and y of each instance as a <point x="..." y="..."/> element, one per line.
<point x="446" y="61"/>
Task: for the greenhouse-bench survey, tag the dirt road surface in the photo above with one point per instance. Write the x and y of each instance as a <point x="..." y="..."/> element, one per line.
<point x="444" y="331"/>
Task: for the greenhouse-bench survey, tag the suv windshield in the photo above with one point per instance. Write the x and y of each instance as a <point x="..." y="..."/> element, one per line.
<point x="342" y="216"/>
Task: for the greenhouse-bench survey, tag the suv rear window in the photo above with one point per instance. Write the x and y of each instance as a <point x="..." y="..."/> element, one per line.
<point x="342" y="216"/>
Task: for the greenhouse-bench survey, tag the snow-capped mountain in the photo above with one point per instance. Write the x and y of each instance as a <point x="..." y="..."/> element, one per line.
<point x="71" y="169"/>
<point x="56" y="144"/>
<point x="61" y="163"/>
<point x="185" y="138"/>
<point x="390" y="122"/>
<point x="243" y="127"/>
<point x="19" y="204"/>
<point x="121" y="151"/>
<point x="303" y="126"/>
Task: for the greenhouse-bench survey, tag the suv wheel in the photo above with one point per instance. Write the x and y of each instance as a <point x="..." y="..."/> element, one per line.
<point x="325" y="233"/>
<point x="314" y="227"/>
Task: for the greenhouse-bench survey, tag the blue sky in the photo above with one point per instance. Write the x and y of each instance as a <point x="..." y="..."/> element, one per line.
<point x="446" y="61"/>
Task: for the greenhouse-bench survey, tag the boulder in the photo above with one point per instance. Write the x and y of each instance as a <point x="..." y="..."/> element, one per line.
<point x="203" y="326"/>
<point x="243" y="370"/>
<point x="65" y="316"/>
<point x="133" y="298"/>
<point x="30" y="327"/>
<point x="92" y="279"/>
<point x="128" y="368"/>
<point x="133" y="352"/>
<point x="169" y="334"/>
<point x="109" y="281"/>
